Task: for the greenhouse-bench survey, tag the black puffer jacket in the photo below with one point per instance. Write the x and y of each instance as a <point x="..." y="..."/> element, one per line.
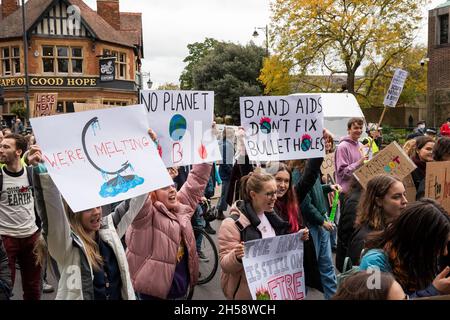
<point x="346" y="226"/>
<point x="5" y="274"/>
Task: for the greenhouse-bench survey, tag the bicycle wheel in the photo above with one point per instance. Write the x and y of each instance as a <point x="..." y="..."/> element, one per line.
<point x="207" y="268"/>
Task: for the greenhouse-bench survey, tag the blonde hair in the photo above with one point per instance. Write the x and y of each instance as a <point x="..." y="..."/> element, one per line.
<point x="92" y="251"/>
<point x="253" y="182"/>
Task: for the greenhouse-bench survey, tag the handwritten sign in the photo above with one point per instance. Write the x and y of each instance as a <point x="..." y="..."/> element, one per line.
<point x="328" y="169"/>
<point x="396" y="88"/>
<point x="100" y="156"/>
<point x="410" y="188"/>
<point x="283" y="128"/>
<point x="437" y="183"/>
<point x="392" y="160"/>
<point x="183" y="122"/>
<point x="274" y="268"/>
<point x="44" y="104"/>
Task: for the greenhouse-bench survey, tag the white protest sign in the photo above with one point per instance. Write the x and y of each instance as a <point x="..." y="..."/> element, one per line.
<point x="283" y="128"/>
<point x="182" y="120"/>
<point x="395" y="90"/>
<point x="274" y="268"/>
<point x="101" y="156"/>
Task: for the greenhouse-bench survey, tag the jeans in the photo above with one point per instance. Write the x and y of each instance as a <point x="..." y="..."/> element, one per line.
<point x="321" y="238"/>
<point x="198" y="221"/>
<point x="222" y="205"/>
<point x="20" y="250"/>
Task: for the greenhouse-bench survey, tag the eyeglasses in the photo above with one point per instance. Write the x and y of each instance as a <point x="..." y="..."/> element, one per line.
<point x="271" y="194"/>
<point x="173" y="185"/>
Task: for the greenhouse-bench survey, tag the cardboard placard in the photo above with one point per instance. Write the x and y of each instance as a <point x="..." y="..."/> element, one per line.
<point x="410" y="188"/>
<point x="44" y="105"/>
<point x="437" y="183"/>
<point x="274" y="268"/>
<point x="392" y="160"/>
<point x="79" y="107"/>
<point x="328" y="169"/>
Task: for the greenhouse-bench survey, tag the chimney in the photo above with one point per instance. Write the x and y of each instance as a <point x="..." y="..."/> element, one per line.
<point x="9" y="6"/>
<point x="109" y="10"/>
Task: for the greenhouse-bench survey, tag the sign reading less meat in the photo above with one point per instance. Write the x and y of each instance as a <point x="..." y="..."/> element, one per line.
<point x="44" y="104"/>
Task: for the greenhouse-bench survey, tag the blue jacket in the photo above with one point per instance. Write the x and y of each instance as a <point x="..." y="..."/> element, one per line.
<point x="378" y="258"/>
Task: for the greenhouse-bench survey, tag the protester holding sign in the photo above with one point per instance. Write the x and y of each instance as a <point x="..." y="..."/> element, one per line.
<point x="86" y="247"/>
<point x="315" y="213"/>
<point x="423" y="154"/>
<point x="161" y="248"/>
<point x="349" y="156"/>
<point x="250" y="219"/>
<point x="346" y="226"/>
<point x="382" y="202"/>
<point x="409" y="248"/>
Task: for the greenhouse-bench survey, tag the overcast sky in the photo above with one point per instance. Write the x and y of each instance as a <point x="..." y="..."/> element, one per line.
<point x="170" y="25"/>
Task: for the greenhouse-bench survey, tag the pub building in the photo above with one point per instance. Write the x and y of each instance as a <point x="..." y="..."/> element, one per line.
<point x="84" y="56"/>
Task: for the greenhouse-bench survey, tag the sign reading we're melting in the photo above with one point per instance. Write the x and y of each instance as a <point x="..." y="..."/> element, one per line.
<point x="283" y="127"/>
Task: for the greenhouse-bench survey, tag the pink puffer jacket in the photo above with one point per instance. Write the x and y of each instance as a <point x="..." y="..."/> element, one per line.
<point x="155" y="234"/>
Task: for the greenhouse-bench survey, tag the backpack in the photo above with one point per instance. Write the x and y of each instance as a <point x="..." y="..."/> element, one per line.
<point x="348" y="269"/>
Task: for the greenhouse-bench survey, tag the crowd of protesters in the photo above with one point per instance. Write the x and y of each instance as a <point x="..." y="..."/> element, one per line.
<point x="145" y="247"/>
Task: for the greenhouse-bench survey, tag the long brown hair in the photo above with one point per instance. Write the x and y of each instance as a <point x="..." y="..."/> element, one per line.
<point x="414" y="242"/>
<point x="92" y="251"/>
<point x="369" y="212"/>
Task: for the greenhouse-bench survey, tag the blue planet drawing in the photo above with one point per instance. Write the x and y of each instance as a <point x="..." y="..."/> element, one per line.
<point x="177" y="127"/>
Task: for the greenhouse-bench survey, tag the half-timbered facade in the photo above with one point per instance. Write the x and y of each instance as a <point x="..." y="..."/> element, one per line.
<point x="66" y="41"/>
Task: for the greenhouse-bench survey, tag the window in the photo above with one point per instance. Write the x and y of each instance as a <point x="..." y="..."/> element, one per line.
<point x="443" y="29"/>
<point x="115" y="103"/>
<point x="66" y="106"/>
<point x="57" y="59"/>
<point x="121" y="62"/>
<point x="10" y="60"/>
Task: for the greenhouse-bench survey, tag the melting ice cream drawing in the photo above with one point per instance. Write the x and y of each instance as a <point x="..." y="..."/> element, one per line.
<point x="116" y="182"/>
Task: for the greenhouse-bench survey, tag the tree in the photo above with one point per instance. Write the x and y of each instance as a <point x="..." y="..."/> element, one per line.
<point x="197" y="51"/>
<point x="275" y="76"/>
<point x="231" y="71"/>
<point x="169" y="86"/>
<point x="415" y="87"/>
<point x="341" y="36"/>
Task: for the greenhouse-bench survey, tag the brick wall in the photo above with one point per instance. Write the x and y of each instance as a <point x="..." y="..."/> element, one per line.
<point x="438" y="72"/>
<point x="8" y="7"/>
<point x="109" y="10"/>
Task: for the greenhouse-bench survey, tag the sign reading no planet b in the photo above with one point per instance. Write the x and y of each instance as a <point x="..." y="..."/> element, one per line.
<point x="101" y="156"/>
<point x="183" y="122"/>
<point x="283" y="127"/>
<point x="396" y="88"/>
<point x="274" y="268"/>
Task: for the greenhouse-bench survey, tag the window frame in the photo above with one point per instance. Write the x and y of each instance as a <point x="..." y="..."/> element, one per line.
<point x="440" y="20"/>
<point x="12" y="60"/>
<point x="56" y="60"/>
<point x="118" y="64"/>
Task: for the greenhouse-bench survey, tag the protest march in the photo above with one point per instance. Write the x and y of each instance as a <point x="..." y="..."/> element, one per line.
<point x="216" y="190"/>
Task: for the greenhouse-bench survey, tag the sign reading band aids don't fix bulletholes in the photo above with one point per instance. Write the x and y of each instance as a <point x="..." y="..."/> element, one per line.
<point x="283" y="127"/>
